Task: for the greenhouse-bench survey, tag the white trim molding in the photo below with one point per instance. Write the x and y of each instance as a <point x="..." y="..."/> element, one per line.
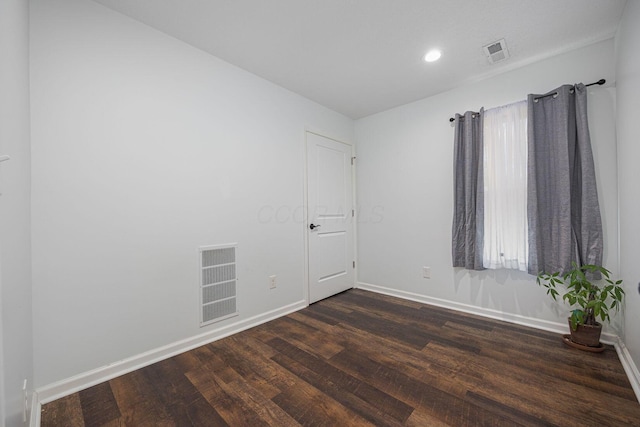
<point x="36" y="407"/>
<point x="88" y="379"/>
<point x="608" y="338"/>
<point x="629" y="366"/>
<point x="472" y="309"/>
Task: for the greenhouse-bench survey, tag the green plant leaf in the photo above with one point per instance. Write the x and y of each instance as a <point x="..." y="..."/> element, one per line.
<point x="577" y="317"/>
<point x="593" y="300"/>
<point x="574" y="323"/>
<point x="618" y="293"/>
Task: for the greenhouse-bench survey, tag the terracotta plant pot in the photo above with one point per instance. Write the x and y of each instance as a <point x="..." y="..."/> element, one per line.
<point x="588" y="335"/>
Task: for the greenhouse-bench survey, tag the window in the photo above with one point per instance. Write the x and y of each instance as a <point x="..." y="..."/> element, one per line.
<point x="505" y="242"/>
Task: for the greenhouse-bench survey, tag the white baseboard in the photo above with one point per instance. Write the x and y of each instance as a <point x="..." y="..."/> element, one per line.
<point x="629" y="366"/>
<point x="34" y="416"/>
<point x="85" y="380"/>
<point x="470" y="309"/>
<point x="608" y="338"/>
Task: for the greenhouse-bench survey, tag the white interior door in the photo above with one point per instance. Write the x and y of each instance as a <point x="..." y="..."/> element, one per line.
<point x="329" y="217"/>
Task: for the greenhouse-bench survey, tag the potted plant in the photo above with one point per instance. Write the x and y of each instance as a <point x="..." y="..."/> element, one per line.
<point x="592" y="298"/>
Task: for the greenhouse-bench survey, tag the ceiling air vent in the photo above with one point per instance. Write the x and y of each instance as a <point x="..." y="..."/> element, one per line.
<point x="496" y="51"/>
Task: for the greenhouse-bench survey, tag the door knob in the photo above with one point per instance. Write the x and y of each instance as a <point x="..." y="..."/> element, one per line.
<point x="312" y="226"/>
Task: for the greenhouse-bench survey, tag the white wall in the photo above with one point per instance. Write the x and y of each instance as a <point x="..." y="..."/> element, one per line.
<point x="16" y="351"/>
<point x="628" y="113"/>
<point x="405" y="187"/>
<point x="145" y="149"/>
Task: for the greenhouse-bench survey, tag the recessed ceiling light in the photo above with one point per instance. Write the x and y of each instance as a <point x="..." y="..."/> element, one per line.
<point x="433" y="55"/>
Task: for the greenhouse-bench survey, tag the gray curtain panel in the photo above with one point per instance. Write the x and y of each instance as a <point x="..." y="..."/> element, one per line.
<point x="468" y="209"/>
<point x="563" y="209"/>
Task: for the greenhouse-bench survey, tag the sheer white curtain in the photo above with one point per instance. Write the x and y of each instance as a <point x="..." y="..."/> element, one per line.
<point x="505" y="187"/>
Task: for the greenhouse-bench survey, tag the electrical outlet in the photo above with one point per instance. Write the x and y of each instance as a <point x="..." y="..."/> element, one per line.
<point x="426" y="272"/>
<point x="272" y="282"/>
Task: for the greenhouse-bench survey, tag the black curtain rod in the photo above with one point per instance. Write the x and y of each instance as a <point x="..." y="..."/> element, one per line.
<point x="599" y="82"/>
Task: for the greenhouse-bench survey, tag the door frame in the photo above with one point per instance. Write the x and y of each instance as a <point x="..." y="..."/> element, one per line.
<point x="305" y="220"/>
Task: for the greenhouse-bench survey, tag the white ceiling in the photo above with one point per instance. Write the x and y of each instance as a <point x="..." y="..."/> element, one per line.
<point x="360" y="57"/>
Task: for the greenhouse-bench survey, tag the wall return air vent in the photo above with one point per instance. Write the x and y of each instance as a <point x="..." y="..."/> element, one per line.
<point x="496" y="51"/>
<point x="218" y="282"/>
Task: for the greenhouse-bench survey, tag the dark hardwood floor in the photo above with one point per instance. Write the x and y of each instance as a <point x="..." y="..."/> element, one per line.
<point x="360" y="358"/>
